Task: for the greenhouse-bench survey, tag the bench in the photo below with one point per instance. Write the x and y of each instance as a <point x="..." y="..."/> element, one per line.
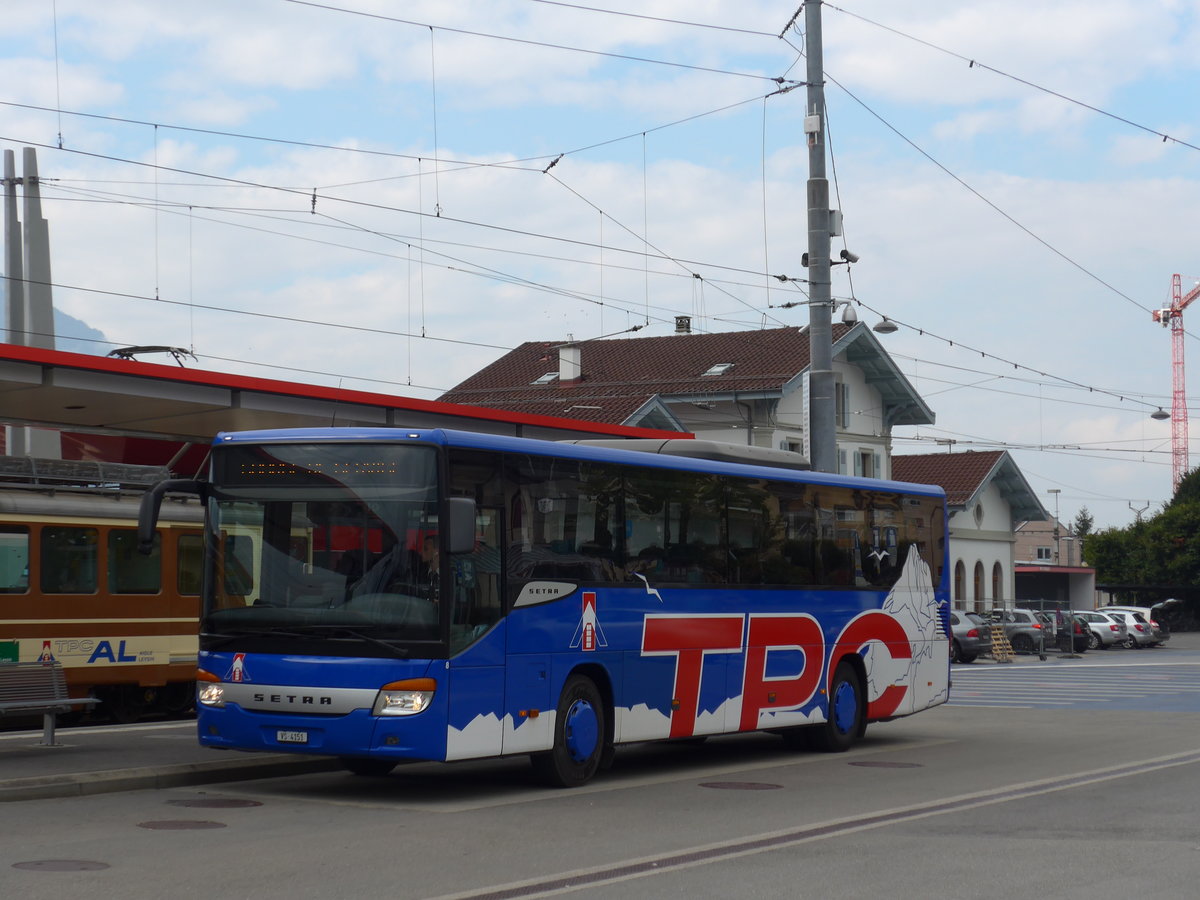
<point x="33" y="687"/>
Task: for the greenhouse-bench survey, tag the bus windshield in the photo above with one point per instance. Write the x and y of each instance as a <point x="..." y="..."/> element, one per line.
<point x="333" y="544"/>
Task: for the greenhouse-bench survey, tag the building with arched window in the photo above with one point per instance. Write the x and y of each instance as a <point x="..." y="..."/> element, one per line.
<point x="987" y="497"/>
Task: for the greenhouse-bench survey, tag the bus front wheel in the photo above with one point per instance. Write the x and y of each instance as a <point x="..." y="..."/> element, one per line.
<point x="579" y="736"/>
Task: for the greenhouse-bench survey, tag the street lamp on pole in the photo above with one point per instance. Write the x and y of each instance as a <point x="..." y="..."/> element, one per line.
<point x="1055" y="492"/>
<point x="1064" y="616"/>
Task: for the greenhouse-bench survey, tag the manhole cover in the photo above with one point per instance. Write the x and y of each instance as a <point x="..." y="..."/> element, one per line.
<point x="741" y="786"/>
<point x="180" y="825"/>
<point x="61" y="865"/>
<point x="868" y="764"/>
<point x="215" y="803"/>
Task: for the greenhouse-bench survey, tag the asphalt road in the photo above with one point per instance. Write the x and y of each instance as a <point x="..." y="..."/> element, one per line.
<point x="1028" y="790"/>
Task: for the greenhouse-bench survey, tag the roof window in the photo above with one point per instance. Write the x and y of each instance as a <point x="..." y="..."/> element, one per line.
<point x="718" y="369"/>
<point x="545" y="379"/>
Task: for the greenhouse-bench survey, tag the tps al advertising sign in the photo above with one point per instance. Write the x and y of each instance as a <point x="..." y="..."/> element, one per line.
<point x="130" y="650"/>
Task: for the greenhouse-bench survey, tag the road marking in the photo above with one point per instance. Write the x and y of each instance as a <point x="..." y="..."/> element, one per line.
<point x="1161" y="686"/>
<point x="646" y="866"/>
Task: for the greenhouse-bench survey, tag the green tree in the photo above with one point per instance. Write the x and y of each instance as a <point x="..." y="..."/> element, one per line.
<point x="1161" y="553"/>
<point x="1082" y="528"/>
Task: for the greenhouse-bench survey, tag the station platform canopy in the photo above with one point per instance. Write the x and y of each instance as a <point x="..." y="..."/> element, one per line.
<point x="97" y="398"/>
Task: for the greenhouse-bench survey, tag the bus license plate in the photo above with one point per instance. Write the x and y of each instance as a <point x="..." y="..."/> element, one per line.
<point x="292" y="737"/>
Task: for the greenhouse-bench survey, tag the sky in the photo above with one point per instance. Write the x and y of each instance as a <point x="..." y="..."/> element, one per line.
<point x="389" y="196"/>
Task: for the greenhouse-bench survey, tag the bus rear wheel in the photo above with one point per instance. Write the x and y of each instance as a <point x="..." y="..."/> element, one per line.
<point x="579" y="736"/>
<point x="847" y="712"/>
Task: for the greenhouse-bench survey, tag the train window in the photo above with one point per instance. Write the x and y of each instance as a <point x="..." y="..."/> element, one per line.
<point x="69" y="560"/>
<point x="14" y="559"/>
<point x="189" y="563"/>
<point x="130" y="572"/>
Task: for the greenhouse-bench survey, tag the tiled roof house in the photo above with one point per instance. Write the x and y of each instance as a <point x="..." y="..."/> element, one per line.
<point x="986" y="498"/>
<point x="738" y="387"/>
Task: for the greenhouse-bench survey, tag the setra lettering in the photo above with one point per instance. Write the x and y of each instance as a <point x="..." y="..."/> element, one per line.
<point x="292" y="699"/>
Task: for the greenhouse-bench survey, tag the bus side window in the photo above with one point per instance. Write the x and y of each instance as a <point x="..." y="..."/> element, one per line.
<point x="562" y="515"/>
<point x="674" y="527"/>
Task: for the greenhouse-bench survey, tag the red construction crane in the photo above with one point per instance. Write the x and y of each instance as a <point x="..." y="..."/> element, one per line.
<point x="1172" y="317"/>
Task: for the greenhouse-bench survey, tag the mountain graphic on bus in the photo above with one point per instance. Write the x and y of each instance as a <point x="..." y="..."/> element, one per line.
<point x="903" y="645"/>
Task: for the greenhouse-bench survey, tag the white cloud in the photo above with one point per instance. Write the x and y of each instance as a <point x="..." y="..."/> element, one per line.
<point x="516" y="255"/>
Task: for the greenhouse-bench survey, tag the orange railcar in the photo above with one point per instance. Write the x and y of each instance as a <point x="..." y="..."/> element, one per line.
<point x="73" y="588"/>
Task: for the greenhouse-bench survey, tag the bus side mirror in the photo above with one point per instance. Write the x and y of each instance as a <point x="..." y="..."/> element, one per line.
<point x="152" y="502"/>
<point x="461" y="533"/>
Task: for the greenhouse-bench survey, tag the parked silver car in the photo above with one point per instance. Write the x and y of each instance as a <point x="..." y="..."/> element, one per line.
<point x="1027" y="630"/>
<point x="1106" y="631"/>
<point x="1140" y="633"/>
<point x="1158" y="625"/>
<point x="970" y="636"/>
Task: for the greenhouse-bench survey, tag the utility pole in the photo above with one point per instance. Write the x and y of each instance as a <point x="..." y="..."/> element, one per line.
<point x="1055" y="492"/>
<point x="822" y="427"/>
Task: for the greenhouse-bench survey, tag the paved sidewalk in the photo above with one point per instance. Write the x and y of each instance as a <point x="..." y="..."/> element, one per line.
<point x="110" y="758"/>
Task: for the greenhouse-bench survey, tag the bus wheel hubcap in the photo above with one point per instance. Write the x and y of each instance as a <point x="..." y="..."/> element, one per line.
<point x="582" y="730"/>
<point x="845" y="707"/>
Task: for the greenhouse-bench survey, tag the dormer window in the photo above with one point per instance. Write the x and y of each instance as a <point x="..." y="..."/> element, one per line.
<point x="718" y="369"/>
<point x="545" y="379"/>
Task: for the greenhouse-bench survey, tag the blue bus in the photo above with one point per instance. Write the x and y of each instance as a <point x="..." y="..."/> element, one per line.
<point x="383" y="595"/>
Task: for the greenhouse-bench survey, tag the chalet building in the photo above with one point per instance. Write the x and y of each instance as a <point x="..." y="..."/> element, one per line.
<point x="987" y="497"/>
<point x="737" y="387"/>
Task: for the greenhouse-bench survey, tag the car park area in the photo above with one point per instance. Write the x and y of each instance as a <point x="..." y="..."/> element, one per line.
<point x="1038" y="632"/>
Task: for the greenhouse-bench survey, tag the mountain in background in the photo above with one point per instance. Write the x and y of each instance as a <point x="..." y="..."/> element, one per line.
<point x="76" y="336"/>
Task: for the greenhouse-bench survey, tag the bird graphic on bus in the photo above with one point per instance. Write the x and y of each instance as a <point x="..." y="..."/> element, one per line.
<point x="652" y="591"/>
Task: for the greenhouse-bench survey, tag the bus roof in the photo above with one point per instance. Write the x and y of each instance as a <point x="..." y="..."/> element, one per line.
<point x="601" y="452"/>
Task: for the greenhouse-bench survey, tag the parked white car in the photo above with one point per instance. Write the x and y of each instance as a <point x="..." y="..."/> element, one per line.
<point x="1106" y="631"/>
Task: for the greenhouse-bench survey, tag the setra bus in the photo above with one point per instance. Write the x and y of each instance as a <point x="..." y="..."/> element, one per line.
<point x="383" y="595"/>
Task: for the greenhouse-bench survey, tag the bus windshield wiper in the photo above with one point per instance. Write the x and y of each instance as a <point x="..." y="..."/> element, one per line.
<point x="223" y="638"/>
<point x="336" y="631"/>
<point x="230" y="635"/>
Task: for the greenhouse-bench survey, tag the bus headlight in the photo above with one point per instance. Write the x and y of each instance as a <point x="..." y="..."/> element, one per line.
<point x="404" y="698"/>
<point x="209" y="690"/>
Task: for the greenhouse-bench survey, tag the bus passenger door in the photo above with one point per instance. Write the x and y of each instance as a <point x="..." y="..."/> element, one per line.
<point x="476" y="666"/>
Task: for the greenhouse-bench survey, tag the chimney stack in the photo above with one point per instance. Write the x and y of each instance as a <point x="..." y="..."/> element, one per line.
<point x="569" y="366"/>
